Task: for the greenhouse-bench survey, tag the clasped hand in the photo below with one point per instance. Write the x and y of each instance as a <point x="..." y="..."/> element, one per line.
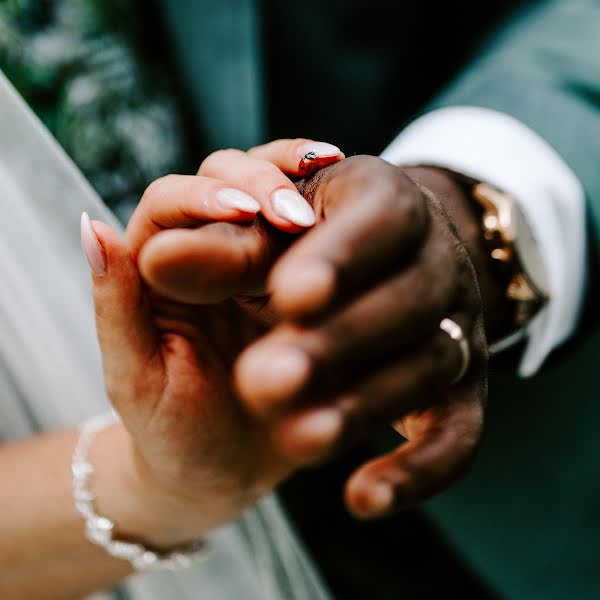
<point x="238" y="347"/>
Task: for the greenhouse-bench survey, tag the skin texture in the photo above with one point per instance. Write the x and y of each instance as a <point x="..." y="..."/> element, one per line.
<point x="354" y="307"/>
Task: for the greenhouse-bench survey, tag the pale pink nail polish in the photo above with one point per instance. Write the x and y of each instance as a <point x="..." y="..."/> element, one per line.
<point x="320" y="149"/>
<point x="92" y="249"/>
<point x="292" y="207"/>
<point x="238" y="200"/>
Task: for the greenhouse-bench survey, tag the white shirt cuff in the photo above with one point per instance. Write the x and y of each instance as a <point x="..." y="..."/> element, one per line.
<point x="493" y="147"/>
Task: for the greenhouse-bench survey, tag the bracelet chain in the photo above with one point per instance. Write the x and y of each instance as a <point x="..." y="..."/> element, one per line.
<point x="99" y="530"/>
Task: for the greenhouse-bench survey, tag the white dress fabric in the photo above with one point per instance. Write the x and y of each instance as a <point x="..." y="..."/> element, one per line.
<point x="50" y="374"/>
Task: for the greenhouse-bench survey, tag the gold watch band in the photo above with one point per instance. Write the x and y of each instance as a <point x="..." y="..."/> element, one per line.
<point x="503" y="229"/>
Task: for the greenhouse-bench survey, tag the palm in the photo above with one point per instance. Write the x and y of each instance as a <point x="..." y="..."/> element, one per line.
<point x="197" y="434"/>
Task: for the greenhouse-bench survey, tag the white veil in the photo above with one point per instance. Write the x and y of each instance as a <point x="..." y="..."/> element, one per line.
<point x="50" y="375"/>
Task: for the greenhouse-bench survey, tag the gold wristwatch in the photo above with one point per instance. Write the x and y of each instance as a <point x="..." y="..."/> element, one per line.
<point x="513" y="250"/>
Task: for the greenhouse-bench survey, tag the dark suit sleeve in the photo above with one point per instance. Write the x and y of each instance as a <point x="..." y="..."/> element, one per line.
<point x="543" y="68"/>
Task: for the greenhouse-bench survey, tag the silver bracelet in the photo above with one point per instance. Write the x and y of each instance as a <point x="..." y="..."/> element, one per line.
<point x="99" y="530"/>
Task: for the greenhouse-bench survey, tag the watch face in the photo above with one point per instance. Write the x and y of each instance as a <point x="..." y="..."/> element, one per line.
<point x="528" y="252"/>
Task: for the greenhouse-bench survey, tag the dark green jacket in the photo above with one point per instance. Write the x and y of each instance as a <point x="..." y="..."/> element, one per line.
<point x="352" y="73"/>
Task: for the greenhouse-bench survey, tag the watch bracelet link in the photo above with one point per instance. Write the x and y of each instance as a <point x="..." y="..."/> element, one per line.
<point x="525" y="299"/>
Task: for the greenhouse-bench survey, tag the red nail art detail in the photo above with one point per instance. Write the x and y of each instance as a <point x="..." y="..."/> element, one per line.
<point x="311" y="163"/>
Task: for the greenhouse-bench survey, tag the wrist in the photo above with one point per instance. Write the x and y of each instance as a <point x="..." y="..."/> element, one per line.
<point x="460" y="208"/>
<point x="126" y="493"/>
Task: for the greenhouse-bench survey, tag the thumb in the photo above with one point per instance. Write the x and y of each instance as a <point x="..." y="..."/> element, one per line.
<point x="126" y="333"/>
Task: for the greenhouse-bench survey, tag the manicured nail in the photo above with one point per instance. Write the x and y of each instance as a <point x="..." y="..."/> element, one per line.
<point x="320" y="149"/>
<point x="315" y="156"/>
<point x="292" y="207"/>
<point x="92" y="248"/>
<point x="238" y="200"/>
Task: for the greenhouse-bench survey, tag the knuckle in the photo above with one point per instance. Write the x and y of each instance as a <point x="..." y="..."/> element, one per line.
<point x="266" y="175"/>
<point x="156" y="190"/>
<point x="218" y="157"/>
<point x="425" y="298"/>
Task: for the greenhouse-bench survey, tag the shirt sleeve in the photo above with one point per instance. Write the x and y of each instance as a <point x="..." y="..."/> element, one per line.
<point x="496" y="148"/>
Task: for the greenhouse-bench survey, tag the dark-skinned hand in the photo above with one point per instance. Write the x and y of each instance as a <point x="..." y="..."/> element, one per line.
<point x="353" y="308"/>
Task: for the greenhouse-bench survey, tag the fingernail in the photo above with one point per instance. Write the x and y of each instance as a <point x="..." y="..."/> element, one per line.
<point x="379" y="499"/>
<point x="238" y="200"/>
<point x="320" y="149"/>
<point x="92" y="248"/>
<point x="303" y="287"/>
<point x="286" y="370"/>
<point x="274" y="375"/>
<point x="290" y="205"/>
<point x="320" y="428"/>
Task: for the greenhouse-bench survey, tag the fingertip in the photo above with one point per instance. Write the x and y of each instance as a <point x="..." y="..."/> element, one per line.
<point x="289" y="205"/>
<point x="232" y="199"/>
<point x="299" y="289"/>
<point x="268" y="378"/>
<point x="310" y="435"/>
<point x="113" y="245"/>
<point x="369" y="499"/>
<point x="92" y="246"/>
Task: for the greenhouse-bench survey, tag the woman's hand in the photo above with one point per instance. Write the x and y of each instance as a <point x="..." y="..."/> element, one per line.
<point x="193" y="457"/>
<point x="189" y="457"/>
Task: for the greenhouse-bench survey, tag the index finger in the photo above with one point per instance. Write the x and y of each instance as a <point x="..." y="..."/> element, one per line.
<point x="182" y="201"/>
<point x="380" y="221"/>
<point x="300" y="157"/>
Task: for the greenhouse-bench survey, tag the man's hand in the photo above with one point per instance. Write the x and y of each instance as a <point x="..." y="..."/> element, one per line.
<point x="362" y="297"/>
<point x="357" y="303"/>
